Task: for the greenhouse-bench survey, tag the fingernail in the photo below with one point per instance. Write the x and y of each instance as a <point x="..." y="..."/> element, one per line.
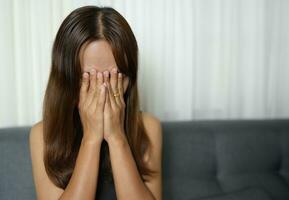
<point x="106" y="73"/>
<point x="114" y="70"/>
<point x="119" y="75"/>
<point x="85" y="74"/>
<point x="98" y="74"/>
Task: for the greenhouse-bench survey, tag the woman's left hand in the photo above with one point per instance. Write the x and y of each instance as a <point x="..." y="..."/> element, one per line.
<point x="114" y="108"/>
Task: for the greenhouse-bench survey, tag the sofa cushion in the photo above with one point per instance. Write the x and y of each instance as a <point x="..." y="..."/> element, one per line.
<point x="245" y="194"/>
<point x="207" y="158"/>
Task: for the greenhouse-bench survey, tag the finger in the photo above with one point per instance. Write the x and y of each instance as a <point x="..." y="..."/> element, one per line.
<point x="84" y="87"/>
<point x="99" y="81"/>
<point x="117" y="98"/>
<point x="92" y="86"/>
<point x="113" y="79"/>
<point x="107" y="100"/>
<point x="105" y="76"/>
<point x="98" y="92"/>
<point x="106" y="80"/>
<point x="120" y="87"/>
<point x="111" y="97"/>
<point x="101" y="97"/>
<point x="114" y="85"/>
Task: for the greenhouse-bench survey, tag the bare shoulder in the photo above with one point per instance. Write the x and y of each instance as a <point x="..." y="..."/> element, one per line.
<point x="36" y="133"/>
<point x="44" y="187"/>
<point x="154" y="130"/>
<point x="152" y="125"/>
<point x="151" y="122"/>
<point x="153" y="157"/>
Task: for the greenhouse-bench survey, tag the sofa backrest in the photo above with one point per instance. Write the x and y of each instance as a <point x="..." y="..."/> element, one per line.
<point x="16" y="181"/>
<point x="211" y="158"/>
<point x="200" y="159"/>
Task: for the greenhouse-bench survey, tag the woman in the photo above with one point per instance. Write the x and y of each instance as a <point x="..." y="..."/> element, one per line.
<point x="93" y="141"/>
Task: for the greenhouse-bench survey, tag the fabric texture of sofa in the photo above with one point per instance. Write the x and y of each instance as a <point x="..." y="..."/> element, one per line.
<point x="202" y="160"/>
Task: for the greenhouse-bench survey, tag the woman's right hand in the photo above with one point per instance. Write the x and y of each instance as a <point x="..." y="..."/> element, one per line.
<point x="91" y="105"/>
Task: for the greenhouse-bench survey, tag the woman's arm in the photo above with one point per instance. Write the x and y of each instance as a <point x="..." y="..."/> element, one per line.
<point x="83" y="182"/>
<point x="128" y="182"/>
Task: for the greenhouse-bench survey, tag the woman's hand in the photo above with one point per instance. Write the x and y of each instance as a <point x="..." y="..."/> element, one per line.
<point x="91" y="106"/>
<point x="114" y="108"/>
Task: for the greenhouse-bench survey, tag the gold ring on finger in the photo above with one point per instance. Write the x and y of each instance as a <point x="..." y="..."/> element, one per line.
<point x="116" y="94"/>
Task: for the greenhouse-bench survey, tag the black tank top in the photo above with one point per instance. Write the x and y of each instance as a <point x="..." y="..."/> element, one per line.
<point x="105" y="191"/>
<point x="105" y="185"/>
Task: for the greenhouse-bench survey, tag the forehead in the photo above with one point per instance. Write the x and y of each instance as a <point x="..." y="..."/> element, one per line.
<point x="97" y="55"/>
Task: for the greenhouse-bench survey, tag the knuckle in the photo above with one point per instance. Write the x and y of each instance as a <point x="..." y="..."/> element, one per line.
<point x="117" y="109"/>
<point x="82" y="89"/>
<point x="108" y="117"/>
<point x="92" y="88"/>
<point x="82" y="110"/>
<point x="84" y="80"/>
<point x="91" y="92"/>
<point x="85" y="107"/>
<point x="98" y="103"/>
<point x="97" y="109"/>
<point x="98" y="116"/>
<point x="117" y="112"/>
<point x="92" y="78"/>
<point x="89" y="112"/>
<point x="84" y="84"/>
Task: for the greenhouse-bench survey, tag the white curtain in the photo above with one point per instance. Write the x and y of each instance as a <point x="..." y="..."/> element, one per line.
<point x="199" y="59"/>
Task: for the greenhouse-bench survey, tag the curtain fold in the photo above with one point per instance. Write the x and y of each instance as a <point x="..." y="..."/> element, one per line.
<point x="199" y="59"/>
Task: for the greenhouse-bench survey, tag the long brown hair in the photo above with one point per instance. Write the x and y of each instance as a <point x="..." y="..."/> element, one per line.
<point x="61" y="121"/>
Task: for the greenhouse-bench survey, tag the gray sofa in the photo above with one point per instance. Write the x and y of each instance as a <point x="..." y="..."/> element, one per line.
<point x="202" y="160"/>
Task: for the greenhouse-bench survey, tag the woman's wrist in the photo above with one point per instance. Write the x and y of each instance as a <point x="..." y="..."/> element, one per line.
<point x="116" y="139"/>
<point x="91" y="139"/>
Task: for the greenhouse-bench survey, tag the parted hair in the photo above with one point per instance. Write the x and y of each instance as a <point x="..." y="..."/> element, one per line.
<point x="62" y="126"/>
